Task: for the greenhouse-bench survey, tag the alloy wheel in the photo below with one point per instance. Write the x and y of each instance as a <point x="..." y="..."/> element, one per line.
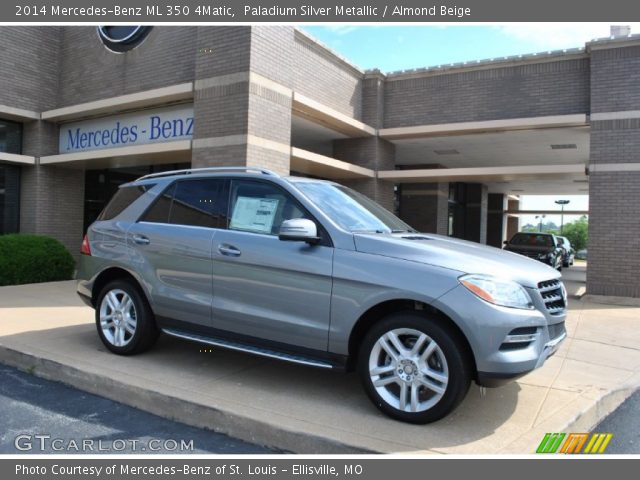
<point x="118" y="318"/>
<point x="408" y="369"/>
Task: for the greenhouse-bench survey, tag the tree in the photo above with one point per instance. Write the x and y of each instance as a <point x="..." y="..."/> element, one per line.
<point x="577" y="232"/>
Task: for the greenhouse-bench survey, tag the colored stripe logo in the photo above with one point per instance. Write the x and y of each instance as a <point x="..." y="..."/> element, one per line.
<point x="574" y="442"/>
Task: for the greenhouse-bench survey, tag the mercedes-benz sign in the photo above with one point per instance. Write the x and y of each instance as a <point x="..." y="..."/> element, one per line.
<point x="122" y="38"/>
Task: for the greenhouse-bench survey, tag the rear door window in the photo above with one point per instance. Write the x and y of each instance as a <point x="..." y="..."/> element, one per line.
<point x="200" y="203"/>
<point x="195" y="202"/>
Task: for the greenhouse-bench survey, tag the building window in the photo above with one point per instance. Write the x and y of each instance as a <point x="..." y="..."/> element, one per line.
<point x="10" y="137"/>
<point x="10" y="142"/>
<point x="9" y="199"/>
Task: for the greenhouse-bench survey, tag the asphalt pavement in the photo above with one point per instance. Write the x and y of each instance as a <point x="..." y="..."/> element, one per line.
<point x="624" y="424"/>
<point x="39" y="416"/>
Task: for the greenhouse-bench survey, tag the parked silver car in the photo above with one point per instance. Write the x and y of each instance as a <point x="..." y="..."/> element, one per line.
<point x="312" y="272"/>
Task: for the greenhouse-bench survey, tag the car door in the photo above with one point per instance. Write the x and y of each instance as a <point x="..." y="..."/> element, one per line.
<point x="263" y="287"/>
<point x="172" y="245"/>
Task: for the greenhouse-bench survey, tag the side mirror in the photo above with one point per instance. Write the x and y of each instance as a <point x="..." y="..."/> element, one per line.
<point x="299" y="230"/>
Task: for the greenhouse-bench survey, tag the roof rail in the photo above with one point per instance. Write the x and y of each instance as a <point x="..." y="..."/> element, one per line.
<point x="189" y="171"/>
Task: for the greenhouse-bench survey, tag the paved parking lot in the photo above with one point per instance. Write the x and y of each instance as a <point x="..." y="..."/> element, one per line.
<point x="44" y="329"/>
<point x="31" y="406"/>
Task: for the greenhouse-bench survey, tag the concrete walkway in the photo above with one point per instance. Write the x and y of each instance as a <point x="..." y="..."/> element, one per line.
<point x="45" y="330"/>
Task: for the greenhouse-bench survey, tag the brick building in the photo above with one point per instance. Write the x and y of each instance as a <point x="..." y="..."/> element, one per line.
<point x="449" y="148"/>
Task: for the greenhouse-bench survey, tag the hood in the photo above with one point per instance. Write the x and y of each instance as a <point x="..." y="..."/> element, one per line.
<point x="454" y="254"/>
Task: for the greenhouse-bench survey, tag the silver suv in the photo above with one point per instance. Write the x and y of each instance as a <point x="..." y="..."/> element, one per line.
<point x="312" y="272"/>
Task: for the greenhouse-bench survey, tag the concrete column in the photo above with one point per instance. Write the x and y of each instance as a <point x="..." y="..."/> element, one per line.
<point x="242" y="102"/>
<point x="424" y="206"/>
<point x="376" y="154"/>
<point x="373" y="98"/>
<point x="614" y="180"/>
<point x="370" y="152"/>
<point x="513" y="223"/>
<point x="496" y="224"/>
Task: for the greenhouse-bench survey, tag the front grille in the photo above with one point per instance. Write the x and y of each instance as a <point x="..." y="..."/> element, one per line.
<point x="556" y="330"/>
<point x="551" y="292"/>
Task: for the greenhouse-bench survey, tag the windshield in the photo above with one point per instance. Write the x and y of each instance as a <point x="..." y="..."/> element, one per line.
<point x="532" y="240"/>
<point x="352" y="210"/>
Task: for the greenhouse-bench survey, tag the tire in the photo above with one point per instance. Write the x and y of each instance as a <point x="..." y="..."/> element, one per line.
<point x="133" y="320"/>
<point x="566" y="264"/>
<point x="448" y="364"/>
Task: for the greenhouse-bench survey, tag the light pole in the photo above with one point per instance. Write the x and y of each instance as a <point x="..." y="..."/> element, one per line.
<point x="562" y="203"/>
<point x="540" y="217"/>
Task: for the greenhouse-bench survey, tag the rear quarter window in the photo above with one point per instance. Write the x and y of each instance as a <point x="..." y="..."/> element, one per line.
<point x="124" y="197"/>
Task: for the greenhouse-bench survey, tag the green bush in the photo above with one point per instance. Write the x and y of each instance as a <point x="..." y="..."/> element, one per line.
<point x="33" y="259"/>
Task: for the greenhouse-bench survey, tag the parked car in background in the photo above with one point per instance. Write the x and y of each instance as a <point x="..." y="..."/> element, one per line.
<point x="311" y="272"/>
<point x="543" y="247"/>
<point x="581" y="254"/>
<point x="569" y="252"/>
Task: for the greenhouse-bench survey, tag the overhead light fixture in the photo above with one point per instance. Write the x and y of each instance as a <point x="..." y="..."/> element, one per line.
<point x="564" y="146"/>
<point x="451" y="151"/>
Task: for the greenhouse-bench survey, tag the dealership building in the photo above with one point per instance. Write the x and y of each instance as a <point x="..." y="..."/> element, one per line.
<point x="450" y="148"/>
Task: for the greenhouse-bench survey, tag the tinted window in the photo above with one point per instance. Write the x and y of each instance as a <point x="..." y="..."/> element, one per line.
<point x="261" y="207"/>
<point x="532" y="239"/>
<point x="124" y="197"/>
<point x="201" y="203"/>
<point x="159" y="211"/>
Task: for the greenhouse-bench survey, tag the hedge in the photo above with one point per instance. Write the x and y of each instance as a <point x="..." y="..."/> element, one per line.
<point x="33" y="259"/>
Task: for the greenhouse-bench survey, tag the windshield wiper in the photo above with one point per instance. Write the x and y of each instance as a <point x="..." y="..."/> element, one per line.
<point x="404" y="231"/>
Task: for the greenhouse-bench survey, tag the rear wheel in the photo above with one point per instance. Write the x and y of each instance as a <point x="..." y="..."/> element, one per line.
<point x="413" y="368"/>
<point x="124" y="319"/>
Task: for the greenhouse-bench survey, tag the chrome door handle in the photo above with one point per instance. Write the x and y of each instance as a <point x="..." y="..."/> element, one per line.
<point x="141" y="239"/>
<point x="228" y="250"/>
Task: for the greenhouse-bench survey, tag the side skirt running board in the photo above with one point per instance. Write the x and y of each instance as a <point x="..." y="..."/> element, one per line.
<point x="241" y="347"/>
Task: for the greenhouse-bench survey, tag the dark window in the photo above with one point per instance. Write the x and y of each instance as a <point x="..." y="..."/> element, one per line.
<point x="124" y="197"/>
<point x="198" y="202"/>
<point x="261" y="207"/>
<point x="10" y="137"/>
<point x="532" y="239"/>
<point x="201" y="203"/>
<point x="159" y="211"/>
<point x="9" y="199"/>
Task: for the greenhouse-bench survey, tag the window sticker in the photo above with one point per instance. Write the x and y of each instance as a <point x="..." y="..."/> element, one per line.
<point x="254" y="214"/>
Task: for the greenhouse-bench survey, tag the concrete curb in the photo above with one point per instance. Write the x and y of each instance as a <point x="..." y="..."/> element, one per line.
<point x="172" y="408"/>
<point x="590" y="417"/>
<point x="241" y="427"/>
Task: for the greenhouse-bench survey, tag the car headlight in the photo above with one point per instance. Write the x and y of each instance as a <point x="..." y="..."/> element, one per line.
<point x="498" y="291"/>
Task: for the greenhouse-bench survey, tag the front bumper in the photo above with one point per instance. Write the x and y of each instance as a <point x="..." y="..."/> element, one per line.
<point x="497" y="379"/>
<point x="487" y="326"/>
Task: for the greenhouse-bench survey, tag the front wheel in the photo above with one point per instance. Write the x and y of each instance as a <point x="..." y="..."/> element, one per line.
<point x="413" y="368"/>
